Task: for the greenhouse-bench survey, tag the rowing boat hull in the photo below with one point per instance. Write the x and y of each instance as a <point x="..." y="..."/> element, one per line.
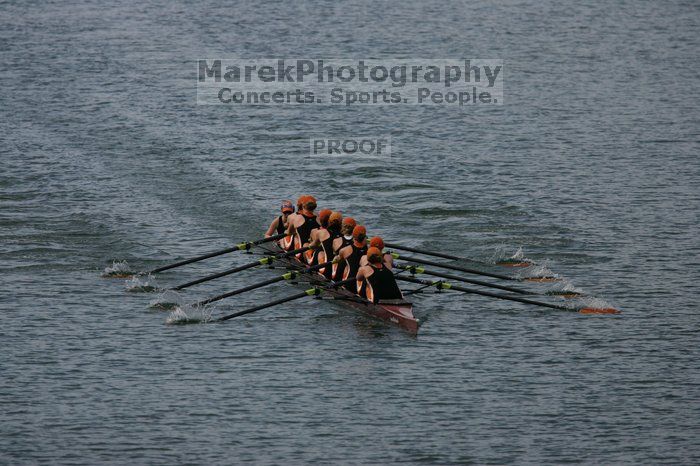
<point x="396" y="311"/>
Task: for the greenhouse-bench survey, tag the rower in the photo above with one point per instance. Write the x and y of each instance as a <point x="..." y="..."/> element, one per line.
<point x="387" y="259"/>
<point x="322" y="240"/>
<point x="303" y="222"/>
<point x="317" y="235"/>
<point x="350" y="255"/>
<point x="375" y="280"/>
<point x="345" y="237"/>
<point x="279" y="225"/>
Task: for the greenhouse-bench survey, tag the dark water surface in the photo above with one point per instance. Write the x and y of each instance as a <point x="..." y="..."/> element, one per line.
<point x="591" y="167"/>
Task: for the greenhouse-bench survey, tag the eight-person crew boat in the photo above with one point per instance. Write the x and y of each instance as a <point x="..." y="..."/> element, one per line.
<point x="371" y="285"/>
<point x="302" y="224"/>
<point x="375" y="281"/>
<point x="352" y="254"/>
<point x="279" y="225"/>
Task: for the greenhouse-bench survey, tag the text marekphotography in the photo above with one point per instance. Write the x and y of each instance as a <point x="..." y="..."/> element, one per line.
<point x="350" y="82"/>
<point x="351" y="146"/>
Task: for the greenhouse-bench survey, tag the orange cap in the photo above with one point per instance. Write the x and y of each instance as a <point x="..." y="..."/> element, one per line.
<point x="374" y="255"/>
<point x="377" y="242"/>
<point x="324" y="215"/>
<point x="301" y="200"/>
<point x="310" y="203"/>
<point x="359" y="230"/>
<point x="349" y="221"/>
<point x="335" y="218"/>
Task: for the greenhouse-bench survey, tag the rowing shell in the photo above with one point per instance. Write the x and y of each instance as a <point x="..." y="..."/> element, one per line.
<point x="396" y="311"/>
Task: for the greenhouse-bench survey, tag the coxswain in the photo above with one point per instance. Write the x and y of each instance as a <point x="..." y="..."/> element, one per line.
<point x="322" y="240"/>
<point x="387" y="259"/>
<point x="279" y="225"/>
<point x="352" y="254"/>
<point x="303" y="222"/>
<point x="375" y="281"/>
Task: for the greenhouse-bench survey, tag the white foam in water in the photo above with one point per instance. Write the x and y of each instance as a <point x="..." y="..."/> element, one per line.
<point x="518" y="255"/>
<point x="567" y="285"/>
<point x="117" y="268"/>
<point x="143" y="284"/>
<point x="540" y="270"/>
<point x="187" y="314"/>
<point x="594" y="303"/>
<point x="169" y="299"/>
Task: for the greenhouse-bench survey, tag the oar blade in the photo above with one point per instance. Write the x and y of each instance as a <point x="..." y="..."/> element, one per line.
<point x="605" y="310"/>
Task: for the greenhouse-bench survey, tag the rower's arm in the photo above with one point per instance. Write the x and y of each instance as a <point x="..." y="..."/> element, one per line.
<point x="273" y="227"/>
<point x="388" y="261"/>
<point x="314" y="242"/>
<point x="291" y="229"/>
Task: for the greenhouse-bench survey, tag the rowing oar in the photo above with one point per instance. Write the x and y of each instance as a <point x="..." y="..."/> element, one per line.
<point x="239" y="247"/>
<point x="454" y="258"/>
<point x="472" y="271"/>
<point x="443" y="285"/>
<point x="286" y="276"/>
<point x="315" y="291"/>
<point x="413" y="270"/>
<point x="264" y="261"/>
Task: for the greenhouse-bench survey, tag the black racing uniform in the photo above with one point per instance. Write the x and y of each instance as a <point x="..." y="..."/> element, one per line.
<point x="304" y="231"/>
<point x="327" y="248"/>
<point x="352" y="265"/>
<point x="383" y="284"/>
<point x="280" y="225"/>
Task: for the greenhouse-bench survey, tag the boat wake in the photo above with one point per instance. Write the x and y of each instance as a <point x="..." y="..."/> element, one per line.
<point x="141" y="284"/>
<point x="118" y="269"/>
<point x="189" y="314"/>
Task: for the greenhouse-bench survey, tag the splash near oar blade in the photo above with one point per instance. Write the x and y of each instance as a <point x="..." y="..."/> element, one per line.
<point x="508" y="263"/>
<point x="118" y="269"/>
<point x="564" y="294"/>
<point x="591" y="310"/>
<point x="541" y="279"/>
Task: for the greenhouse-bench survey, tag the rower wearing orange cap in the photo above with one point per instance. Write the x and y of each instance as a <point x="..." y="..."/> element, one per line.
<point x="303" y="222"/>
<point x="312" y="254"/>
<point x="350" y="255"/>
<point x="322" y="240"/>
<point x="378" y="242"/>
<point x="279" y="224"/>
<point x="375" y="281"/>
<point x="345" y="238"/>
